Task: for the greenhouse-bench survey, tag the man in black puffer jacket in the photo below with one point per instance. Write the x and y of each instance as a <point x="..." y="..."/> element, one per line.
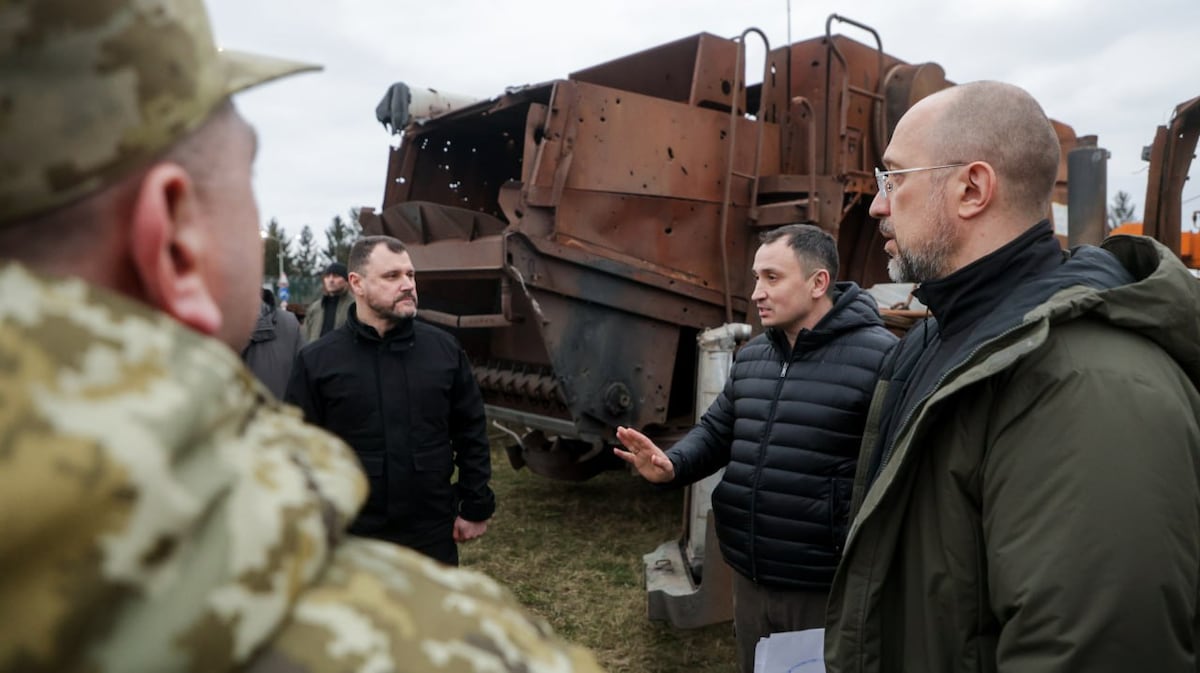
<point x="787" y="429"/>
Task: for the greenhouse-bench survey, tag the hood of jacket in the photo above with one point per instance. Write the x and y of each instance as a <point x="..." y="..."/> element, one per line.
<point x="852" y="309"/>
<point x="1132" y="282"/>
<point x="159" y="510"/>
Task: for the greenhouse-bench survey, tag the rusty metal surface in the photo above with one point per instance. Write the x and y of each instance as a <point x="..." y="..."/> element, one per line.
<point x="570" y="233"/>
<point x="696" y="70"/>
<point x="1171" y="157"/>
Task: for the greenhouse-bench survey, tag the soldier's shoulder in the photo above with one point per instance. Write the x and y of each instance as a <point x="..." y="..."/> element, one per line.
<point x="379" y="607"/>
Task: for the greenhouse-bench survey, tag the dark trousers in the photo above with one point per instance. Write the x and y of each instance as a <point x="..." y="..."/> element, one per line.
<point x="759" y="611"/>
<point x="445" y="551"/>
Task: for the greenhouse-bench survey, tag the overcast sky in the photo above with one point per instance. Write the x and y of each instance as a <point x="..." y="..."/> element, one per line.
<point x="1115" y="69"/>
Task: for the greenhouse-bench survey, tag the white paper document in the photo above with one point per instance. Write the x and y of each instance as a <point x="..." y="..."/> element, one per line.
<point x="791" y="652"/>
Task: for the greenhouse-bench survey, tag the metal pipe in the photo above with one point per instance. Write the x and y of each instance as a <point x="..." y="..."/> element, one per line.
<point x="729" y="164"/>
<point x="802" y="102"/>
<point x="1087" y="195"/>
<point x="727" y="192"/>
<point x="846" y="86"/>
<point x="762" y="104"/>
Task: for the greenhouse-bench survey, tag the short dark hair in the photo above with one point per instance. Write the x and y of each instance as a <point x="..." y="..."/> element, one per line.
<point x="814" y="247"/>
<point x="363" y="247"/>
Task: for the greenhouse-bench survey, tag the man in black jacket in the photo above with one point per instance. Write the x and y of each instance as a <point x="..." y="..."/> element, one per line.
<point x="786" y="428"/>
<point x="273" y="345"/>
<point x="402" y="394"/>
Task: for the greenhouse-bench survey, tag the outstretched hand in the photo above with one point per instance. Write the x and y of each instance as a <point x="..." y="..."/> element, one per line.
<point x="644" y="455"/>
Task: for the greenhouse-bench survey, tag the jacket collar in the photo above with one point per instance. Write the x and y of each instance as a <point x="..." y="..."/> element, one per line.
<point x="1092" y="281"/>
<point x="398" y="338"/>
<point x="963" y="298"/>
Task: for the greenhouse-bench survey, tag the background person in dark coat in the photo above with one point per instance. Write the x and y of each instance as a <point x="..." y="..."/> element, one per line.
<point x="787" y="429"/>
<point x="273" y="345"/>
<point x="402" y="394"/>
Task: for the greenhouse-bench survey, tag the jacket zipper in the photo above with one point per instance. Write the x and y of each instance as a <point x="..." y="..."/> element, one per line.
<point x="382" y="418"/>
<point x="762" y="450"/>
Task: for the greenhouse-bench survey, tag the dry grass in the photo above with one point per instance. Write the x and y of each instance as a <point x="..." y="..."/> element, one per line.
<point x="572" y="553"/>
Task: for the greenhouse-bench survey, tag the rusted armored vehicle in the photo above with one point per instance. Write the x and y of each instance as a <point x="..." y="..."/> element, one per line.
<point x="577" y="235"/>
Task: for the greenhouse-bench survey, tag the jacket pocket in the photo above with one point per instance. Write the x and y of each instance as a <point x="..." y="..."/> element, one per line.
<point x="374" y="510"/>
<point x="436" y="458"/>
<point x="431" y="495"/>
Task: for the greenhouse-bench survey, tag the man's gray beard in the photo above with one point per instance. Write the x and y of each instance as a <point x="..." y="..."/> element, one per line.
<point x="923" y="263"/>
<point x="919" y="267"/>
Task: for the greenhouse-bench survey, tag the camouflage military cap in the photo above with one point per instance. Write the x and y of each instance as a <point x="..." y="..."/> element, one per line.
<point x="93" y="89"/>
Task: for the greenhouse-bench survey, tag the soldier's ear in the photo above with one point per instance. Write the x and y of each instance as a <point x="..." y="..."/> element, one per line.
<point x="171" y="246"/>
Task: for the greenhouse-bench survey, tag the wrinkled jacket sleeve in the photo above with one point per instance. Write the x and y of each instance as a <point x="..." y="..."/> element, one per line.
<point x="468" y="436"/>
<point x="301" y="392"/>
<point x="705" y="449"/>
<point x="382" y="608"/>
<point x="1090" y="519"/>
<point x="313" y="316"/>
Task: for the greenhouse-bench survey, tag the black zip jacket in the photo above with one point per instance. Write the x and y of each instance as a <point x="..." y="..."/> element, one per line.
<point x="787" y="429"/>
<point x="408" y="404"/>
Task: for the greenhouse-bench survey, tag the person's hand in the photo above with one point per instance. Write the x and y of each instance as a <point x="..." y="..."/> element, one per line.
<point x="648" y="459"/>
<point x="465" y="531"/>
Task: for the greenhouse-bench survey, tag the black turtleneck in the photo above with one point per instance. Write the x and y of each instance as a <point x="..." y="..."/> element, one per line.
<point x="959" y="302"/>
<point x="329" y="304"/>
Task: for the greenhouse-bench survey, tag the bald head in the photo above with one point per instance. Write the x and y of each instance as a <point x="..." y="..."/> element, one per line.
<point x="1004" y="126"/>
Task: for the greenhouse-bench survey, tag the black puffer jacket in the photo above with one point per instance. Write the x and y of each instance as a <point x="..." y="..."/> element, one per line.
<point x="787" y="428"/>
<point x="408" y="404"/>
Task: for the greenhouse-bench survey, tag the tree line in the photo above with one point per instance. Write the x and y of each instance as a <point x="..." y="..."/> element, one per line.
<point x="303" y="257"/>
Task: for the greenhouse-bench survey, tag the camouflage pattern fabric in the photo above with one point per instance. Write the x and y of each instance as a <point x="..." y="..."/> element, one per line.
<point x="160" y="511"/>
<point x="94" y="89"/>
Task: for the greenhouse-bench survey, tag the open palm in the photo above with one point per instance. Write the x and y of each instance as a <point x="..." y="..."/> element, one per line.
<point x="644" y="455"/>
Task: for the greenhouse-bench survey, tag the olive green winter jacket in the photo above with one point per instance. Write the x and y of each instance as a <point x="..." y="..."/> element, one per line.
<point x="1040" y="509"/>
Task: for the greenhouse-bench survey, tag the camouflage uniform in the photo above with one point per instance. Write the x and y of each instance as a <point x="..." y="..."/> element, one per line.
<point x="160" y="511"/>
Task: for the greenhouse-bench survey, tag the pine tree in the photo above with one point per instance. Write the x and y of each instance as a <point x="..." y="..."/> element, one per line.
<point x="305" y="267"/>
<point x="341" y="234"/>
<point x="1122" y="210"/>
<point x="274" y="240"/>
<point x="307" y="260"/>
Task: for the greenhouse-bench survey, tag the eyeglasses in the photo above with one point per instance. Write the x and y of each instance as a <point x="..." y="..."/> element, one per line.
<point x="886" y="186"/>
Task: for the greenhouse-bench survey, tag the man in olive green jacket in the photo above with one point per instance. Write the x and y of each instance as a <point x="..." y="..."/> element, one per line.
<point x="1028" y="497"/>
<point x="328" y="312"/>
